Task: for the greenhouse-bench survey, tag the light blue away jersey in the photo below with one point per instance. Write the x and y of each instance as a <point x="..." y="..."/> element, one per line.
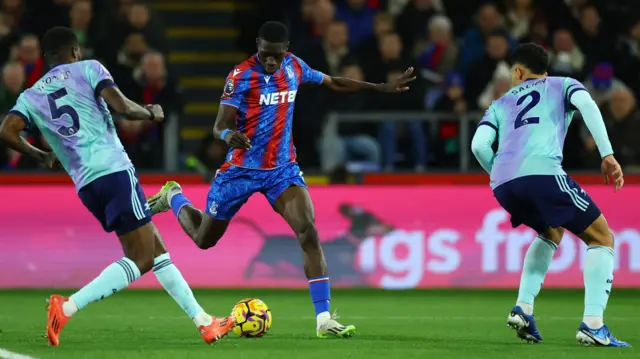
<point x="65" y="105"/>
<point x="531" y="121"/>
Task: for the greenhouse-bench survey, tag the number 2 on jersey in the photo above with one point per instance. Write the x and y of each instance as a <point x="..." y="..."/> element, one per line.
<point x="58" y="113"/>
<point x="520" y="119"/>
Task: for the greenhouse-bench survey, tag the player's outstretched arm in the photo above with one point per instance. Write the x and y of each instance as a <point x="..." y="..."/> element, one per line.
<point x="10" y="130"/>
<point x="341" y="84"/>
<point x="226" y="130"/>
<point x="595" y="124"/>
<point x="131" y="110"/>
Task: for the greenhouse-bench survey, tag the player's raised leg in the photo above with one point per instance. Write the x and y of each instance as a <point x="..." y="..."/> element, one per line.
<point x="536" y="264"/>
<point x="203" y="230"/>
<point x="295" y="206"/>
<point x="598" y="280"/>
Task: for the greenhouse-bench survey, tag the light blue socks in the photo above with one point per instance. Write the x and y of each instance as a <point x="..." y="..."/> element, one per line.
<point x="598" y="279"/>
<point x="536" y="264"/>
<point x="172" y="281"/>
<point x="114" y="278"/>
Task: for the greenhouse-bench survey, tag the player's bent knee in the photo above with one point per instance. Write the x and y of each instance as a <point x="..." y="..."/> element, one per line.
<point x="598" y="234"/>
<point x="554" y="235"/>
<point x="308" y="235"/>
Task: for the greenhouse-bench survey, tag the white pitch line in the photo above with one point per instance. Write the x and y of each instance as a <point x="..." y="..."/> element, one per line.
<point x="5" y="354"/>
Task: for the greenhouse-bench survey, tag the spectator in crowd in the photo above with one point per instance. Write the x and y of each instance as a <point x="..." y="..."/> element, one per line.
<point x="622" y="118"/>
<point x="321" y="18"/>
<point x="565" y="58"/>
<point x="627" y="63"/>
<point x="328" y="55"/>
<point x="129" y="56"/>
<point x="359" y="19"/>
<point x="499" y="85"/>
<point x="355" y="143"/>
<point x="591" y="37"/>
<point x="481" y="72"/>
<point x="30" y="57"/>
<point x="11" y="86"/>
<point x="80" y="20"/>
<point x="487" y="20"/>
<point x="447" y="143"/>
<point x="13" y="11"/>
<point x="152" y="86"/>
<point x="518" y="18"/>
<point x="8" y="37"/>
<point x="601" y="84"/>
<point x="389" y="131"/>
<point x="539" y="32"/>
<point x="437" y="53"/>
<point x="391" y="52"/>
<point x="140" y="19"/>
<point x="413" y="21"/>
<point x="383" y="23"/>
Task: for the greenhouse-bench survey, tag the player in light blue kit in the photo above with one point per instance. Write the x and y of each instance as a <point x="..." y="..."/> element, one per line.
<point x="66" y="105"/>
<point x="530" y="123"/>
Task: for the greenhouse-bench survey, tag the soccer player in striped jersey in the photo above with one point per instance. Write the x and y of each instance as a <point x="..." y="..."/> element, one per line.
<point x="255" y="120"/>
<point x="530" y="123"/>
<point x="67" y="105"/>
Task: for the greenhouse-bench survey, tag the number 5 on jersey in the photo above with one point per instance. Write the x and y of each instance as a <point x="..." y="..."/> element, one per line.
<point x="58" y="114"/>
<point x="520" y="119"/>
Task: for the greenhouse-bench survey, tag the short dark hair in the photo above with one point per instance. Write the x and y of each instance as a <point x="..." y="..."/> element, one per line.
<point x="57" y="39"/>
<point x="531" y="56"/>
<point x="273" y="31"/>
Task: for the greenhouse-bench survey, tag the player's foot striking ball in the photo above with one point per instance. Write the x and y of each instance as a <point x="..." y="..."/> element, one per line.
<point x="530" y="124"/>
<point x="67" y="105"/>
<point x="255" y="120"/>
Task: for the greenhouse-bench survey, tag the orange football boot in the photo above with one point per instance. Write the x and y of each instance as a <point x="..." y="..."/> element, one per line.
<point x="217" y="329"/>
<point x="56" y="320"/>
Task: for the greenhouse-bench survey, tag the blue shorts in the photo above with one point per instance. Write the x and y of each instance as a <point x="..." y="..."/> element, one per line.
<point x="117" y="201"/>
<point x="233" y="186"/>
<point x="544" y="201"/>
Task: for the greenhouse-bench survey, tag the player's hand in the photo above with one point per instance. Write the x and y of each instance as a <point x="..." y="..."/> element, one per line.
<point x="52" y="162"/>
<point x="157" y="111"/>
<point x="399" y="84"/>
<point x="237" y="140"/>
<point x="612" y="172"/>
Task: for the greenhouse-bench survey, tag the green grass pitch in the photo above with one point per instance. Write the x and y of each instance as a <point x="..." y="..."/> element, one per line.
<point x="391" y="324"/>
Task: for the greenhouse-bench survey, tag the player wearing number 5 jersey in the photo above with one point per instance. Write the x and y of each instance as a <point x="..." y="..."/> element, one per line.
<point x="530" y="123"/>
<point x="67" y="105"/>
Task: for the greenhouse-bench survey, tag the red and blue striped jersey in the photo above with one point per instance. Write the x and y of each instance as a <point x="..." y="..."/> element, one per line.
<point x="264" y="103"/>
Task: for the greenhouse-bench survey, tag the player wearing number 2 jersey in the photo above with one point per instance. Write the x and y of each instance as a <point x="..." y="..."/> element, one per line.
<point x="530" y="123"/>
<point x="67" y="105"/>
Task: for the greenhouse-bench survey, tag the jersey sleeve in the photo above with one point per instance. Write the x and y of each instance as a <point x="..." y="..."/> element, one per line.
<point x="21" y="109"/>
<point x="309" y="75"/>
<point x="234" y="88"/>
<point x="98" y="76"/>
<point x="490" y="118"/>
<point x="572" y="86"/>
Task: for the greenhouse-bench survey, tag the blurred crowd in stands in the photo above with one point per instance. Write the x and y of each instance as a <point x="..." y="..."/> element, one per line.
<point x="124" y="35"/>
<point x="458" y="47"/>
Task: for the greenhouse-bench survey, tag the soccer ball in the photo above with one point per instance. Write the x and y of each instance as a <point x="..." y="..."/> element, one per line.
<point x="253" y="318"/>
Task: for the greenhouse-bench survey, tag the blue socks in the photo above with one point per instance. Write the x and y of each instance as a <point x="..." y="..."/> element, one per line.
<point x="172" y="281"/>
<point x="598" y="279"/>
<point x="177" y="202"/>
<point x="320" y="293"/>
<point x="536" y="264"/>
<point x="114" y="278"/>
